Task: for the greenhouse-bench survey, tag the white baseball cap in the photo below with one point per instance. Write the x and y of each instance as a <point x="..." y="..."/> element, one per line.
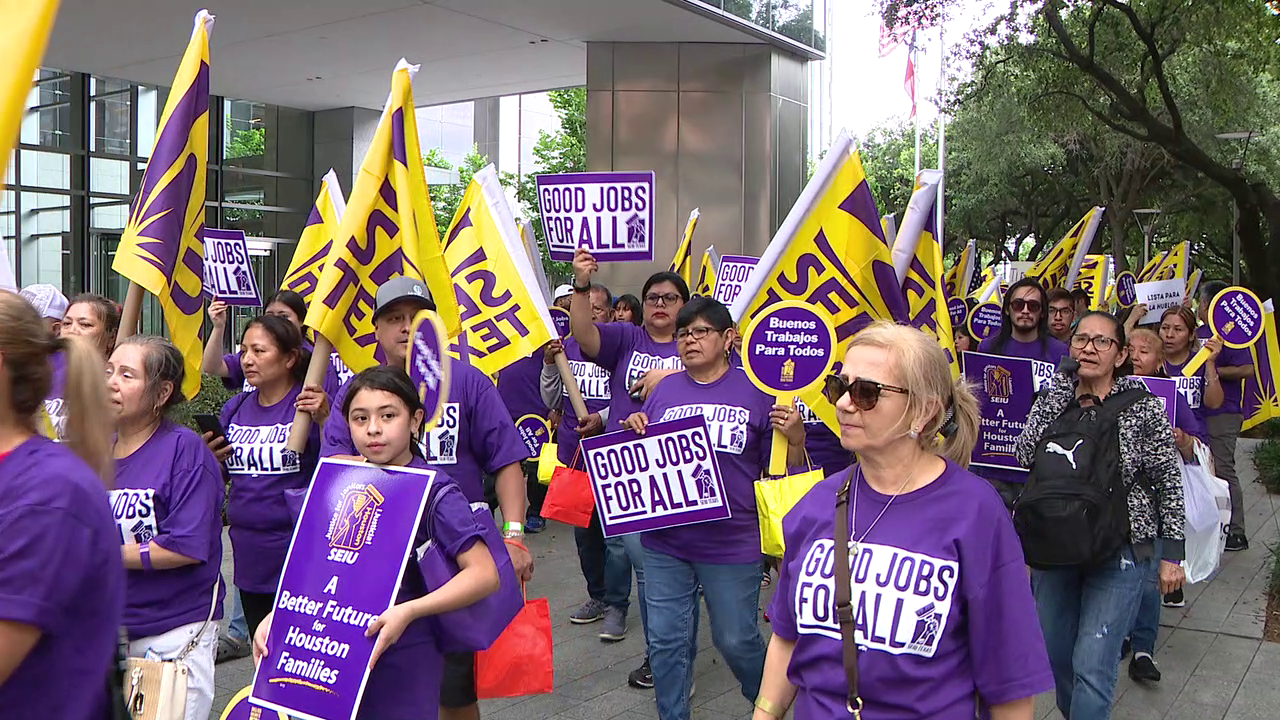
<point x="47" y="300"/>
<point x="563" y="291"/>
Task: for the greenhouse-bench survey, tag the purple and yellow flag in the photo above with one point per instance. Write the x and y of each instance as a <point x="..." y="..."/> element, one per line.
<point x="387" y="231"/>
<point x="1261" y="400"/>
<point x="1170" y="264"/>
<point x="162" y="248"/>
<point x="1060" y="267"/>
<point x="682" y="263"/>
<point x="917" y="259"/>
<point x="317" y="239"/>
<point x="829" y="253"/>
<point x="961" y="277"/>
<point x="707" y="273"/>
<point x="1095" y="274"/>
<point x="24" y="35"/>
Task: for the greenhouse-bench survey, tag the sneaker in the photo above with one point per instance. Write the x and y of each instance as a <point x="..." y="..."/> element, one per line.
<point x="641" y="677"/>
<point x="1237" y="541"/>
<point x="230" y="648"/>
<point x="534" y="524"/>
<point x="615" y="625"/>
<point x="1143" y="668"/>
<point x="1175" y="599"/>
<point x="591" y="611"/>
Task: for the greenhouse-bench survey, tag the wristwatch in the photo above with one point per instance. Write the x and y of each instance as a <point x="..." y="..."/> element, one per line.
<point x="512" y="530"/>
<point x="580" y="288"/>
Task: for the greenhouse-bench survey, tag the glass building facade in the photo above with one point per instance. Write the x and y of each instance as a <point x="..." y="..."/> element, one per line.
<point x="799" y="20"/>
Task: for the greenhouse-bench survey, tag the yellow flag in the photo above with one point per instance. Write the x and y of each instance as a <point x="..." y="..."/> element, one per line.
<point x="504" y="317"/>
<point x="987" y="286"/>
<point x="388" y="230"/>
<point x="1094" y="275"/>
<point x="960" y="277"/>
<point x="162" y="247"/>
<point x="1060" y="267"/>
<point x="23" y="34"/>
<point x="317" y="239"/>
<point x="707" y="273"/>
<point x="829" y="253"/>
<point x="1261" y="400"/>
<point x="682" y="263"/>
<point x="1193" y="282"/>
<point x="1170" y="264"/>
<point x="917" y="257"/>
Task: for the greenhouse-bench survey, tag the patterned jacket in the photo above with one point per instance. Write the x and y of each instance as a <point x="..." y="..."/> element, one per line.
<point x="1146" y="447"/>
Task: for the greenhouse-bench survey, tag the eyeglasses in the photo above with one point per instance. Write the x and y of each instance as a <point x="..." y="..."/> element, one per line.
<point x="654" y="299"/>
<point x="1059" y="310"/>
<point x="862" y="392"/>
<point x="1031" y="306"/>
<point x="697" y="333"/>
<point x="1100" y="342"/>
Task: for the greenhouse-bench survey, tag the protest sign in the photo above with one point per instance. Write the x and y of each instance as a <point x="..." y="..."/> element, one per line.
<point x="560" y="318"/>
<point x="1158" y="296"/>
<point x="428" y="365"/>
<point x="609" y="213"/>
<point x="343" y="568"/>
<point x="664" y="478"/>
<point x="1006" y="389"/>
<point x="985" y="320"/>
<point x="735" y="271"/>
<point x="1236" y="315"/>
<point x="959" y="312"/>
<point x="1126" y="289"/>
<point x="239" y="708"/>
<point x="534" y="431"/>
<point x="228" y="276"/>
<point x="1165" y="389"/>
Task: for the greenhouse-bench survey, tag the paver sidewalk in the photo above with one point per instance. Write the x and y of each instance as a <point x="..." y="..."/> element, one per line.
<point x="1214" y="662"/>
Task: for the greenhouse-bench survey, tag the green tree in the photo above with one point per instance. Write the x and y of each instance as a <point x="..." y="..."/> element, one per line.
<point x="446" y="199"/>
<point x="245" y="143"/>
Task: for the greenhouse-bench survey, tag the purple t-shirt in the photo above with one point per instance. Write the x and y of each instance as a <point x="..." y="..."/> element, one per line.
<point x="518" y="388"/>
<point x="261" y="470"/>
<point x="169" y="492"/>
<point x="334" y="376"/>
<point x="409" y="674"/>
<point x="958" y="628"/>
<point x="1052" y="352"/>
<point x="594" y="384"/>
<point x="54" y="405"/>
<point x="60" y="571"/>
<point x="737" y="416"/>
<point x="1190" y="388"/>
<point x="823" y="446"/>
<point x="628" y="351"/>
<point x="475" y="434"/>
<point x="1232" y="390"/>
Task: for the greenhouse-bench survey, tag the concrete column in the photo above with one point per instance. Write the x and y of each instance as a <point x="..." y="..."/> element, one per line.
<point x="342" y="137"/>
<point x="723" y="126"/>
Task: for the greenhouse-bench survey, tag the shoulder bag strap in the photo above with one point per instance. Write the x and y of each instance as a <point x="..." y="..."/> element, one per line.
<point x="844" y="601"/>
<point x="213" y="606"/>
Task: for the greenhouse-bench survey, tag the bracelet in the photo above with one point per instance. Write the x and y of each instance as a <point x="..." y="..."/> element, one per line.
<point x="516" y="543"/>
<point x="769" y="707"/>
<point x="577" y="289"/>
<point x="144" y="555"/>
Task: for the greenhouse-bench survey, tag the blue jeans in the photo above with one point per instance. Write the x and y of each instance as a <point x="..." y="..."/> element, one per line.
<point x="239" y="628"/>
<point x="1147" y="624"/>
<point x="622" y="555"/>
<point x="1085" y="614"/>
<point x="732" y="595"/>
<point x="591" y="557"/>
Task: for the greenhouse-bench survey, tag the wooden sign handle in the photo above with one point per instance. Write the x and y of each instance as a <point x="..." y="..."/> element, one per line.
<point x="315" y="376"/>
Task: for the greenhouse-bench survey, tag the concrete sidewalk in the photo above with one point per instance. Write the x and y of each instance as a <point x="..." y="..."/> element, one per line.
<point x="1211" y="652"/>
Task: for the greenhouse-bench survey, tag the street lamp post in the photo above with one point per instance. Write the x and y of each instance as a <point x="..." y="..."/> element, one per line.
<point x="1238" y="165"/>
<point x="1149" y="232"/>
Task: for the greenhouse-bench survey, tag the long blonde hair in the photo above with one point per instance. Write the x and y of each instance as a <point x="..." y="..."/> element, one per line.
<point x="933" y="396"/>
<point x="27" y="348"/>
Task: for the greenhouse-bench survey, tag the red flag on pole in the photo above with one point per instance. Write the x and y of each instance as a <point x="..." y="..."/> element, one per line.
<point x="909" y="82"/>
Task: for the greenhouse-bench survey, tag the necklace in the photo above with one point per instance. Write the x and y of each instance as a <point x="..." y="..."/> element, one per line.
<point x="853" y="512"/>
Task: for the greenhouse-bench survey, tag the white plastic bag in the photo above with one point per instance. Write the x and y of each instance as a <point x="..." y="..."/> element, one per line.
<point x="1197" y="499"/>
<point x="1204" y="547"/>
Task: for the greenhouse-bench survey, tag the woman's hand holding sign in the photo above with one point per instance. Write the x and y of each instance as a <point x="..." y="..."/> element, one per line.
<point x="786" y="419"/>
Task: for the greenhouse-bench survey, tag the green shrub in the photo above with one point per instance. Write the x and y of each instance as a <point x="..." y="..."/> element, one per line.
<point x="1267" y="461"/>
<point x="213" y="395"/>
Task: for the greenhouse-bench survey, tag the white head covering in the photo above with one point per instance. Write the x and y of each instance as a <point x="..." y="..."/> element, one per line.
<point x="47" y="299"/>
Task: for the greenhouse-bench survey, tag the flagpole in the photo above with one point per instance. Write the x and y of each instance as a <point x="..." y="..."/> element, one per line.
<point x="942" y="137"/>
<point x="130" y="313"/>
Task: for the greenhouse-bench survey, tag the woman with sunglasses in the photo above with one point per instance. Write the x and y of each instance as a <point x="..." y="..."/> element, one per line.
<point x="1080" y="607"/>
<point x="942" y="615"/>
<point x="723" y="556"/>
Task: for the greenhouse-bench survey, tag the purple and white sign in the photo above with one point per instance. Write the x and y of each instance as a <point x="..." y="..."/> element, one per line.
<point x="787" y="349"/>
<point x="1165" y="389"/>
<point x="664" y="478"/>
<point x="1126" y="289"/>
<point x="985" y="320"/>
<point x="1006" y="389"/>
<point x="609" y="213"/>
<point x="535" y="432"/>
<point x="1236" y="316"/>
<point x="959" y="312"/>
<point x="735" y="271"/>
<point x="228" y="276"/>
<point x="560" y="318"/>
<point x="428" y="365"/>
<point x="343" y="569"/>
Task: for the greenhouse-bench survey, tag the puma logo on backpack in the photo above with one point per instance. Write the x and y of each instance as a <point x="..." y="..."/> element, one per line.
<point x="1075" y="508"/>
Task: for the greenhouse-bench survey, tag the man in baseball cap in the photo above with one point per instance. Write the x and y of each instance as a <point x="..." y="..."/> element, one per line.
<point x="402" y="293"/>
<point x="49" y="302"/>
<point x="562" y="296"/>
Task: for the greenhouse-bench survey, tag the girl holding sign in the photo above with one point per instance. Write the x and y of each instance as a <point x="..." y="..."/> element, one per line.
<point x="168" y="508"/>
<point x="407" y="667"/>
<point x="722" y="556"/>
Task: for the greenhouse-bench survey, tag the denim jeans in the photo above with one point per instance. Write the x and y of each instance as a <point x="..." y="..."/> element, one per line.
<point x="1147" y="624"/>
<point x="622" y="555"/>
<point x="239" y="627"/>
<point x="591" y="557"/>
<point x="732" y="595"/>
<point x="1085" y="614"/>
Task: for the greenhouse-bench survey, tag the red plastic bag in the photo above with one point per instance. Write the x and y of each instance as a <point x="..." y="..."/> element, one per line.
<point x="521" y="661"/>
<point x="569" y="498"/>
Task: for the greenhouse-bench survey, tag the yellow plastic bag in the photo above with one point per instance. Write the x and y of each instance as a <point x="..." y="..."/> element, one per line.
<point x="774" y="499"/>
<point x="547" y="462"/>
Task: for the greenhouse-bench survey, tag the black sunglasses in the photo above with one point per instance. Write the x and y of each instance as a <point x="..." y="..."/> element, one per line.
<point x="862" y="392"/>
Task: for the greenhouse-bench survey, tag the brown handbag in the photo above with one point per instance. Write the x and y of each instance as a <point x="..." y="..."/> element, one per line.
<point x="157" y="689"/>
<point x="844" y="602"/>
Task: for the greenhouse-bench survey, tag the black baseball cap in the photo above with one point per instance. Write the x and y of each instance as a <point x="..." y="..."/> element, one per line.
<point x="399" y="289"/>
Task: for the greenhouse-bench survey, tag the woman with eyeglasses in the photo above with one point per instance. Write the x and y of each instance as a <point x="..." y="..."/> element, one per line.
<point x="722" y="556"/>
<point x="1084" y="609"/>
<point x="940" y="611"/>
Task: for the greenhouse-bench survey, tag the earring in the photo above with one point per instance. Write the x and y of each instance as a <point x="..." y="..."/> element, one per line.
<point x="914" y="434"/>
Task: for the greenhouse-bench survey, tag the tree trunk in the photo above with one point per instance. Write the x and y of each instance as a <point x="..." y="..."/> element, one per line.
<point x="1261" y="252"/>
<point x="1118" y="228"/>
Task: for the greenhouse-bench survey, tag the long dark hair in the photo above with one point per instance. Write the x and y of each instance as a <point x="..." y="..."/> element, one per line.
<point x="632" y="303"/>
<point x="390" y="379"/>
<point x="291" y="300"/>
<point x="288" y="339"/>
<point x="1006" y="319"/>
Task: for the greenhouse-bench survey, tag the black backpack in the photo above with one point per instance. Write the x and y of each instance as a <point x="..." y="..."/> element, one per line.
<point x="1074" y="511"/>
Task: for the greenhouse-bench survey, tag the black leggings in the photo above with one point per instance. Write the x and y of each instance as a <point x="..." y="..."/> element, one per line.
<point x="256" y="607"/>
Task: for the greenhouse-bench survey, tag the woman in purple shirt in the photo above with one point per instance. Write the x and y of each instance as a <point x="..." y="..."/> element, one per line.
<point x="260" y="466"/>
<point x="385" y="415"/>
<point x="722" y="556"/>
<point x="1204" y="390"/>
<point x="168" y="509"/>
<point x="61" y="580"/>
<point x="942" y="611"/>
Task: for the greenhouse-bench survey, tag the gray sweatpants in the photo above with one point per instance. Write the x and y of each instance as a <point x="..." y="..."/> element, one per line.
<point x="1223" y="432"/>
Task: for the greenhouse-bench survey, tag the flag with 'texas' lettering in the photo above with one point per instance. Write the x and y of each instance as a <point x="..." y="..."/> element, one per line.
<point x="317" y="239"/>
<point x="917" y="261"/>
